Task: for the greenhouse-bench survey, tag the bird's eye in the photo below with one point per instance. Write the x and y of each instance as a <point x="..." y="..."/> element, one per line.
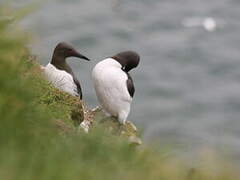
<point x="68" y="50"/>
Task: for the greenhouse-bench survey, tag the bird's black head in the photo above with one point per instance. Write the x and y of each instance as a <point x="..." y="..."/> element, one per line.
<point x="128" y="60"/>
<point x="64" y="50"/>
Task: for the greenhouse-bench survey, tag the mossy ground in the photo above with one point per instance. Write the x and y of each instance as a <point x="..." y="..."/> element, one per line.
<point x="61" y="106"/>
<point x="32" y="147"/>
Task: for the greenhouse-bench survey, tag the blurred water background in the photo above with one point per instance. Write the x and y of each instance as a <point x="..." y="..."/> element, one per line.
<point x="188" y="82"/>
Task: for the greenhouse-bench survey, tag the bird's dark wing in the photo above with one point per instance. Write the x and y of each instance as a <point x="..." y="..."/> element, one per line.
<point x="130" y="85"/>
<point x="79" y="90"/>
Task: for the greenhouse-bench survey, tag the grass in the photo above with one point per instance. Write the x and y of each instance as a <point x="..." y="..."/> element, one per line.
<point x="33" y="147"/>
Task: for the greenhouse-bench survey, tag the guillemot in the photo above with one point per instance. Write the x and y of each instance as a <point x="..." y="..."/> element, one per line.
<point x="113" y="84"/>
<point x="60" y="74"/>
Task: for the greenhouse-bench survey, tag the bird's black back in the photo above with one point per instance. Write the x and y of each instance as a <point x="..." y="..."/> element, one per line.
<point x="79" y="90"/>
<point x="130" y="85"/>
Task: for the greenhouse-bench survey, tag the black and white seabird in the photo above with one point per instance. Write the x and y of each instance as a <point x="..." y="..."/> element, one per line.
<point x="113" y="84"/>
<point x="60" y="74"/>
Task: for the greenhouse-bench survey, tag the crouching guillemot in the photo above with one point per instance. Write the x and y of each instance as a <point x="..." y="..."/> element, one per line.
<point x="113" y="84"/>
<point x="60" y="74"/>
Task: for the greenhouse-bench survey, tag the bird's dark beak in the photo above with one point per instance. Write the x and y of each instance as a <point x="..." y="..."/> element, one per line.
<point x="77" y="54"/>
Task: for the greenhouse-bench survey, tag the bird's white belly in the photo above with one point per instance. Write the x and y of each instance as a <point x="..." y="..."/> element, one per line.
<point x="111" y="89"/>
<point x="61" y="79"/>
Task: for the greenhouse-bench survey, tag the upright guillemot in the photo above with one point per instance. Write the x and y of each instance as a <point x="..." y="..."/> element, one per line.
<point x="113" y="84"/>
<point x="60" y="74"/>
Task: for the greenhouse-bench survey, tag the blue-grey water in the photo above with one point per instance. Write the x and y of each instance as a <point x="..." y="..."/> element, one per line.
<point x="188" y="81"/>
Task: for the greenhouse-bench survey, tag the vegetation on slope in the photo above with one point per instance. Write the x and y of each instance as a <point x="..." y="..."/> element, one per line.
<point x="32" y="147"/>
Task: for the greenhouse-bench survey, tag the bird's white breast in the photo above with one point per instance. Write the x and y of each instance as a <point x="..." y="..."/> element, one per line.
<point x="60" y="79"/>
<point x="111" y="88"/>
